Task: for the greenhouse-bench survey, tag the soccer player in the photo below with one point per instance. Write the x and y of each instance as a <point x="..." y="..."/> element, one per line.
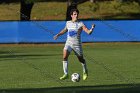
<point x="73" y="42"/>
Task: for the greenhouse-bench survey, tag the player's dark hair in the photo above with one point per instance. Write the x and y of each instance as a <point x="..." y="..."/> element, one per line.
<point x="73" y="10"/>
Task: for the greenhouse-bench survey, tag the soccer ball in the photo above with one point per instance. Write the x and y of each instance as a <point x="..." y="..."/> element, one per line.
<point x="75" y="77"/>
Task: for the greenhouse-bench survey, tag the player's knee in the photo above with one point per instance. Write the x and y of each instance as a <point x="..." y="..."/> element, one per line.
<point x="82" y="60"/>
<point x="65" y="58"/>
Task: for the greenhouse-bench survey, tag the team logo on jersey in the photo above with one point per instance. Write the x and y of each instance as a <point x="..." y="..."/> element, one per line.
<point x="72" y="33"/>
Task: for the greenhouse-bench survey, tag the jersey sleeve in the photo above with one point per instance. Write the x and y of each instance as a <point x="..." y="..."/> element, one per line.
<point x="81" y="24"/>
<point x="66" y="25"/>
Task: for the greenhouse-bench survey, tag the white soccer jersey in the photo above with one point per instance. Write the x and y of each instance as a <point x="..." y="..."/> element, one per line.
<point x="74" y="37"/>
<point x="74" y="31"/>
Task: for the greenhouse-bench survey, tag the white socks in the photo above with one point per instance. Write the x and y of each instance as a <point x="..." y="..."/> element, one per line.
<point x="65" y="67"/>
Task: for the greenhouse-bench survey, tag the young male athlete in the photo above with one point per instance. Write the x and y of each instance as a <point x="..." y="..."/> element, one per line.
<point x="73" y="42"/>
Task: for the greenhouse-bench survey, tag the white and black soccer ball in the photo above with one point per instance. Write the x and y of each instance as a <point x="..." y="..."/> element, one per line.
<point x="75" y="77"/>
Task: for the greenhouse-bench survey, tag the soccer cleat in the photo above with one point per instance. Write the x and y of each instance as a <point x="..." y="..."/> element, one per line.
<point x="65" y="76"/>
<point x="85" y="75"/>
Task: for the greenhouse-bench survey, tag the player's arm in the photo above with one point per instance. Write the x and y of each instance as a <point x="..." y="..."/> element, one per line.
<point x="89" y="31"/>
<point x="60" y="33"/>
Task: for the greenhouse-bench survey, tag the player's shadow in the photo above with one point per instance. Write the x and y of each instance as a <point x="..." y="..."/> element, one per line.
<point x="15" y="56"/>
<point x="117" y="88"/>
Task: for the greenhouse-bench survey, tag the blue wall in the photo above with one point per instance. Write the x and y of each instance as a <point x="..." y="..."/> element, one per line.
<point x="43" y="31"/>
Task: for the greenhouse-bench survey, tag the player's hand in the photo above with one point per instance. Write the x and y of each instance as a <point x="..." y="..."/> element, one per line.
<point x="55" y="37"/>
<point x="91" y="30"/>
<point x="93" y="26"/>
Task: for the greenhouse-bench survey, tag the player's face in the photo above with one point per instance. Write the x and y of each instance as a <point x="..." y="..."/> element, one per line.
<point x="74" y="15"/>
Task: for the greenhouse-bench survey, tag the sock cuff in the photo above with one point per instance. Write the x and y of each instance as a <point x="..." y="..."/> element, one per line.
<point x="83" y="63"/>
<point x="65" y="61"/>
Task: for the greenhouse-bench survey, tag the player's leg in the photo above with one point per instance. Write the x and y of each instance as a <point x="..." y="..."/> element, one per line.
<point x="66" y="54"/>
<point x="65" y="61"/>
<point x="79" y="53"/>
<point x="83" y="62"/>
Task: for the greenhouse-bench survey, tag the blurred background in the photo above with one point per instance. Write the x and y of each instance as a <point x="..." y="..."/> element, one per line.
<point x="30" y="59"/>
<point x="59" y="9"/>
